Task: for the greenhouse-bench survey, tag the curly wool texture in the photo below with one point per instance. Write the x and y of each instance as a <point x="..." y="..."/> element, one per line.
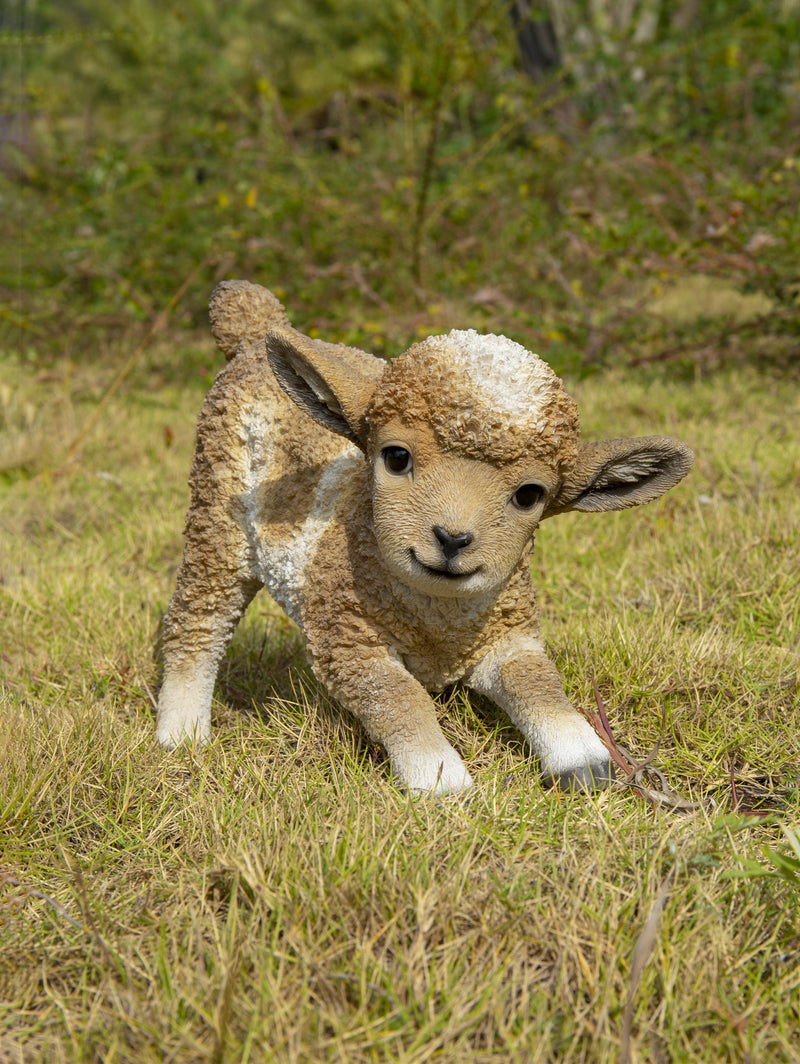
<point x="484" y="396"/>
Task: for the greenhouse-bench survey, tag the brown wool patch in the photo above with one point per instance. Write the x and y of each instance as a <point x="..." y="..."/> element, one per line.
<point x="428" y="385"/>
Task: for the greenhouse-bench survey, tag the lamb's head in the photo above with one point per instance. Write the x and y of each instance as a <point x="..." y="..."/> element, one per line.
<point x="467" y="436"/>
<point x="471" y="441"/>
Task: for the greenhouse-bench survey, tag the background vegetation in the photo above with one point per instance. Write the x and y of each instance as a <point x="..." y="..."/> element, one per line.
<point x="390" y="166"/>
<point x="392" y="171"/>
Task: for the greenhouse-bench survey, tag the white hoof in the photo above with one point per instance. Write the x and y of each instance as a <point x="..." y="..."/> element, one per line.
<point x="184" y="712"/>
<point x="439" y="772"/>
<point x="575" y="758"/>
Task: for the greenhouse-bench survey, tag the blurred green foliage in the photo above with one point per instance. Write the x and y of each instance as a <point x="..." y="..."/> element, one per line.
<point x="389" y="169"/>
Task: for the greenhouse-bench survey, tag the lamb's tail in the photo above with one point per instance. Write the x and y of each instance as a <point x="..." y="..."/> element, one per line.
<point x="242" y="313"/>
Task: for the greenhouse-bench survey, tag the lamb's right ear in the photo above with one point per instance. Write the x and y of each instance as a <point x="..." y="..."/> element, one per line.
<point x="616" y="474"/>
<point x="331" y="382"/>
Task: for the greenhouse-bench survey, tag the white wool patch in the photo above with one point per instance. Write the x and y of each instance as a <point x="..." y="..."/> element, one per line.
<point x="286" y="567"/>
<point x="503" y="373"/>
<point x="283" y="564"/>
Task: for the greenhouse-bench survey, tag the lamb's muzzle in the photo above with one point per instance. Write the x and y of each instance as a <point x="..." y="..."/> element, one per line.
<point x="452" y="543"/>
<point x="390" y="509"/>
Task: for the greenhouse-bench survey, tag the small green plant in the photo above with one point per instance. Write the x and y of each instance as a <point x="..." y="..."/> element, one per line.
<point x="782" y="865"/>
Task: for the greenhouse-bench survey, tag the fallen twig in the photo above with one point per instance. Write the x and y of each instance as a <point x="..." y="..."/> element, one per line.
<point x="7" y="878"/>
<point x="635" y="770"/>
<point x="734" y="793"/>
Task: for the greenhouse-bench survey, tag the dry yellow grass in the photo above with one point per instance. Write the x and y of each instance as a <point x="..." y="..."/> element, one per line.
<point x="276" y="898"/>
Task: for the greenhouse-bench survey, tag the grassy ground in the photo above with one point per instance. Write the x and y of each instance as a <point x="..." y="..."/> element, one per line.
<point x="276" y="898"/>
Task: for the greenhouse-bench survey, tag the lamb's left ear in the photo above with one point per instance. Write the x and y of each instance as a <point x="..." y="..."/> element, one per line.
<point x="331" y="382"/>
<point x="616" y="474"/>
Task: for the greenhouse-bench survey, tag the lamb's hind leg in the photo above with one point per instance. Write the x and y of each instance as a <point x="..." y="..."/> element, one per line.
<point x="207" y="605"/>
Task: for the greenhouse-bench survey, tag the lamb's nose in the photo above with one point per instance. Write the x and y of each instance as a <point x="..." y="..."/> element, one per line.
<point x="451" y="544"/>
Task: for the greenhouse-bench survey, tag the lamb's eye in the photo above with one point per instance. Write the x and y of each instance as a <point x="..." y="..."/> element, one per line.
<point x="397" y="460"/>
<point x="528" y="496"/>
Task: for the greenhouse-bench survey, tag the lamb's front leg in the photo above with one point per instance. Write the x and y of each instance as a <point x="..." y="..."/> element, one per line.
<point x="398" y="713"/>
<point x="517" y="674"/>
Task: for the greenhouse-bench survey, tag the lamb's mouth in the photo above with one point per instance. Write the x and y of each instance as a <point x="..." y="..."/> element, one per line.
<point x="447" y="573"/>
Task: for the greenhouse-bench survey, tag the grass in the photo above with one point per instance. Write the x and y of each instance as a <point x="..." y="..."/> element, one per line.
<point x="275" y="897"/>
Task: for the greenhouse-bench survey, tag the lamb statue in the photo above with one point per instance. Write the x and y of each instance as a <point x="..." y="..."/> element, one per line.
<point x="390" y="509"/>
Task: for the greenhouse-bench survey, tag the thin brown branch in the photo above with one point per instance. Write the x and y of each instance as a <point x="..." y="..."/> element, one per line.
<point x="157" y="325"/>
<point x="764" y="321"/>
<point x="647" y="199"/>
<point x="634" y="770"/>
<point x="734" y="794"/>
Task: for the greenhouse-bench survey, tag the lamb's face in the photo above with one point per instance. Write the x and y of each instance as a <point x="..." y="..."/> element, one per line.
<point x="470" y="435"/>
<point x="451" y="526"/>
